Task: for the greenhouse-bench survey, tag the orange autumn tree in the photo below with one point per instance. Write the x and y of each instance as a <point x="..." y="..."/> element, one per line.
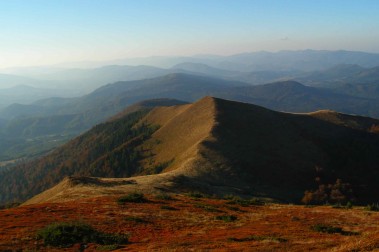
<point x="374" y="129"/>
<point x="337" y="193"/>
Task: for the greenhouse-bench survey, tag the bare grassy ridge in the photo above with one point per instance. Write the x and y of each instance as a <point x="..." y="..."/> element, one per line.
<point x="223" y="147"/>
<point x="182" y="130"/>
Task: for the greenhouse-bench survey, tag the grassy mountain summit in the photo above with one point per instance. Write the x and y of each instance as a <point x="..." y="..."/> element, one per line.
<point x="213" y="145"/>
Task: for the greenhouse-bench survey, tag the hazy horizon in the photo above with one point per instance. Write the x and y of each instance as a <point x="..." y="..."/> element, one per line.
<point x="96" y="63"/>
<point x="39" y="33"/>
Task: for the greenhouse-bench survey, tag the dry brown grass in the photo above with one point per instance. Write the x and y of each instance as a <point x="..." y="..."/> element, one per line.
<point x="182" y="129"/>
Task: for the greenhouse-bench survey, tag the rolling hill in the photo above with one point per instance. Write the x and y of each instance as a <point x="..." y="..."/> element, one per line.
<point x="284" y="95"/>
<point x="363" y="90"/>
<point x="24" y="94"/>
<point x="87" y="80"/>
<point x="292" y="96"/>
<point x="54" y="120"/>
<point x="73" y="115"/>
<point x="200" y="147"/>
<point x="339" y="75"/>
<point x="111" y="98"/>
<point x="70" y="116"/>
<point x="59" y="119"/>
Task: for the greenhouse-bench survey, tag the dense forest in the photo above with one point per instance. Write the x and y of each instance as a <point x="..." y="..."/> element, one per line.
<point x="108" y="150"/>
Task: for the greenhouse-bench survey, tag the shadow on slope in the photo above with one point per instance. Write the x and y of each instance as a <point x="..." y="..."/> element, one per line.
<point x="280" y="155"/>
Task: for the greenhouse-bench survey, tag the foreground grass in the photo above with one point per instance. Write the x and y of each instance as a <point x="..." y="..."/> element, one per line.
<point x="182" y="223"/>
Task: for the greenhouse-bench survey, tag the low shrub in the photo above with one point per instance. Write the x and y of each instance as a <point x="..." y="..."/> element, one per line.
<point x="233" y="208"/>
<point x="258" y="238"/>
<point x="208" y="208"/>
<point x="323" y="228"/>
<point x="132" y="198"/>
<point x="135" y="219"/>
<point x="372" y="207"/>
<point x="245" y="202"/>
<point x="164" y="207"/>
<point x="229" y="196"/>
<point x="66" y="234"/>
<point x="226" y="218"/>
<point x="349" y="205"/>
<point x="163" y="196"/>
<point x="196" y="195"/>
<point x="108" y="247"/>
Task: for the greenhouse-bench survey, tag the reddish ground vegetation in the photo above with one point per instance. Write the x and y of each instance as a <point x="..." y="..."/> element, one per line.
<point x="186" y="223"/>
<point x="374" y="129"/>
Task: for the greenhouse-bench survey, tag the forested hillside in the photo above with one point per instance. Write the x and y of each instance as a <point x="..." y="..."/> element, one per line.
<point x="108" y="150"/>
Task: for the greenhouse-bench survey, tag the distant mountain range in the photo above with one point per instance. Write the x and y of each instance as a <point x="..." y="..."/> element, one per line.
<point x="306" y="60"/>
<point x="35" y="115"/>
<point x="308" y="67"/>
<point x="284" y="95"/>
<point x="57" y="117"/>
<point x="27" y="94"/>
<point x="214" y="146"/>
<point x="292" y="96"/>
<point x="303" y="60"/>
<point x="10" y="80"/>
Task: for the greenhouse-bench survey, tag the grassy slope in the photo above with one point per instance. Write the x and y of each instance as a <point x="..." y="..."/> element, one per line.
<point x="275" y="154"/>
<point x="182" y="129"/>
<point x="225" y="147"/>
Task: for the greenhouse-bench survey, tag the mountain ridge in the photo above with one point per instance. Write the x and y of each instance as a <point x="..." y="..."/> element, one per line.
<point x="87" y="111"/>
<point x="199" y="146"/>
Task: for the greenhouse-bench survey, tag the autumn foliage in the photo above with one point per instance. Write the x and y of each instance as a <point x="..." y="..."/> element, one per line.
<point x="374" y="129"/>
<point x="337" y="193"/>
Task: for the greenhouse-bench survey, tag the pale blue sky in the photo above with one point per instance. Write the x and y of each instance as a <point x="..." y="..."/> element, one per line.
<point x="36" y="32"/>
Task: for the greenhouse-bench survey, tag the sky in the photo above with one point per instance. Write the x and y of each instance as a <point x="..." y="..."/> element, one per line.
<point x="41" y="32"/>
